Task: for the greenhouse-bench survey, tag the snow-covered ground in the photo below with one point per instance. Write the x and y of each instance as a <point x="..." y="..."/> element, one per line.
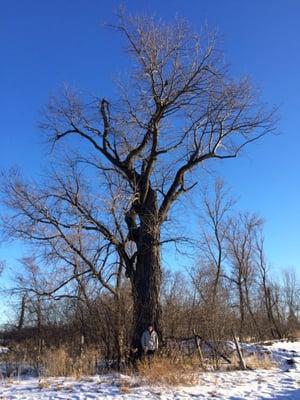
<point x="4" y="349"/>
<point x="282" y="383"/>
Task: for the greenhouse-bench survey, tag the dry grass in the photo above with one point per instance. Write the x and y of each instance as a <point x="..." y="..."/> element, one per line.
<point x="124" y="389"/>
<point x="254" y="361"/>
<point x="261" y="361"/>
<point x="296" y="334"/>
<point x="58" y="387"/>
<point x="170" y="371"/>
<point x="59" y="362"/>
<point x="43" y="384"/>
<point x="55" y="362"/>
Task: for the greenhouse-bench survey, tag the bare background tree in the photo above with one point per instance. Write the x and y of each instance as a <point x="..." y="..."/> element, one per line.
<point x="56" y="309"/>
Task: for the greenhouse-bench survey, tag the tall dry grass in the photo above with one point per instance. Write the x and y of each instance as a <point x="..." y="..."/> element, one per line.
<point x="61" y="362"/>
<point x="296" y="334"/>
<point x="255" y="361"/>
<point x="261" y="361"/>
<point x="170" y="370"/>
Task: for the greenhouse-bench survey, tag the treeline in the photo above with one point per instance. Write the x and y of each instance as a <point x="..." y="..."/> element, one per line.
<point x="228" y="290"/>
<point x="188" y="305"/>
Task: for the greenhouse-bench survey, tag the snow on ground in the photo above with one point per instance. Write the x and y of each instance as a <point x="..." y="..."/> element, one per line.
<point x="282" y="383"/>
<point x="4" y="349"/>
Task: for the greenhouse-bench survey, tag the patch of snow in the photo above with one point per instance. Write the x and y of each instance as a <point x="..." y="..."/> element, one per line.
<point x="4" y="349"/>
<point x="282" y="383"/>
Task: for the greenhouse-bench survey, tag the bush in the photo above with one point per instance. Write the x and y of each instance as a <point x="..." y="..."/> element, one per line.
<point x="60" y="362"/>
<point x="169" y="370"/>
<point x="261" y="361"/>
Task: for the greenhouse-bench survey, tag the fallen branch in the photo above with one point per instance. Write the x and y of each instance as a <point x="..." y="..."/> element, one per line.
<point x="214" y="349"/>
<point x="242" y="362"/>
<point x="199" y="349"/>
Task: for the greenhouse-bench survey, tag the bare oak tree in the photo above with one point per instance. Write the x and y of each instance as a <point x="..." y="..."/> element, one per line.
<point x="177" y="109"/>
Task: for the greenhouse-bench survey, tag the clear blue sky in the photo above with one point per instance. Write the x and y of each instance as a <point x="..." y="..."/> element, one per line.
<point x="46" y="43"/>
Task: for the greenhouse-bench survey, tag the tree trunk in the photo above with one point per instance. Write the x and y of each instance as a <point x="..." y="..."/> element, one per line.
<point x="248" y="305"/>
<point x="146" y="279"/>
<point x="146" y="289"/>
<point x="274" y="327"/>
<point x="118" y="331"/>
<point x="242" y="310"/>
<point x="22" y="314"/>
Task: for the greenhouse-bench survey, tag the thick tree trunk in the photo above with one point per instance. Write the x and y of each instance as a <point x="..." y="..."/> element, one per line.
<point x="146" y="288"/>
<point x="146" y="280"/>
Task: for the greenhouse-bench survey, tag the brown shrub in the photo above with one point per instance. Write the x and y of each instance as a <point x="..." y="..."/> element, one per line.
<point x="296" y="334"/>
<point x="254" y="361"/>
<point x="124" y="389"/>
<point x="43" y="384"/>
<point x="261" y="361"/>
<point x="59" y="362"/>
<point x="170" y="371"/>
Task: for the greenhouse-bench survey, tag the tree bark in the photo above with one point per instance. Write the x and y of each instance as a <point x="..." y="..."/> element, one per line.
<point x="118" y="331"/>
<point x="146" y="279"/>
<point x="274" y="328"/>
<point x="242" y="310"/>
<point x="22" y="314"/>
